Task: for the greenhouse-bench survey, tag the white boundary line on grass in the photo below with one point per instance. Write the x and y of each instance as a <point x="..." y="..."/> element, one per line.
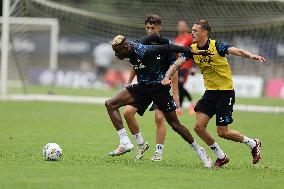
<point x="101" y="100"/>
<point x="58" y="98"/>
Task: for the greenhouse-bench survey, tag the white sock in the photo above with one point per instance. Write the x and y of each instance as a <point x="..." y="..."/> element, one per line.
<point x="159" y="148"/>
<point x="139" y="139"/>
<point x="124" y="140"/>
<point x="217" y="150"/>
<point x="198" y="151"/>
<point x="195" y="146"/>
<point x="250" y="142"/>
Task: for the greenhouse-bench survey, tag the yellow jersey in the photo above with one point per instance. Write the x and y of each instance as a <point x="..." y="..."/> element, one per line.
<point x="214" y="68"/>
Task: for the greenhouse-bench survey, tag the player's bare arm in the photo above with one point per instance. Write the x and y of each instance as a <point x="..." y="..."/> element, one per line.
<point x="174" y="87"/>
<point x="240" y="52"/>
<point x="172" y="70"/>
<point x="131" y="76"/>
<point x="179" y="62"/>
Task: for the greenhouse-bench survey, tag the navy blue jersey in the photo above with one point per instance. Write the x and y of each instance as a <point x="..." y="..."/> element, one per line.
<point x="156" y="65"/>
<point x="155" y="39"/>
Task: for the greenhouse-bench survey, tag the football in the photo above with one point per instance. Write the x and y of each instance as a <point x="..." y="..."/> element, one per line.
<point x="52" y="152"/>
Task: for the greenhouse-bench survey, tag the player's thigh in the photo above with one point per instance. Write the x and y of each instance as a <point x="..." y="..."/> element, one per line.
<point x="141" y="98"/>
<point x="207" y="104"/>
<point x="225" y="106"/>
<point x="121" y="99"/>
<point x="153" y="107"/>
<point x="162" y="98"/>
<point x="172" y="119"/>
<point x="166" y="104"/>
<point x="222" y="130"/>
<point x="202" y="120"/>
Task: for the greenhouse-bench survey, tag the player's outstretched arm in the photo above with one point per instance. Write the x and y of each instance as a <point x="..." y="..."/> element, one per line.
<point x="171" y="71"/>
<point x="163" y="49"/>
<point x="186" y="50"/>
<point x="240" y="52"/>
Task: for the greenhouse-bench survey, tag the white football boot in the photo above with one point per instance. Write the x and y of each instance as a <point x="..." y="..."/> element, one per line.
<point x="121" y="149"/>
<point x="157" y="157"/>
<point x="207" y="162"/>
<point x="141" y="148"/>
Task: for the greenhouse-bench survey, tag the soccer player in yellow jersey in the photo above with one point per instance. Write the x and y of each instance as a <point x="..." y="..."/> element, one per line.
<point x="219" y="96"/>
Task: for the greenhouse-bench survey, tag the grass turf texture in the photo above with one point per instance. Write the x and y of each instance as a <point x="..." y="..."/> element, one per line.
<point x="86" y="136"/>
<point x="110" y="92"/>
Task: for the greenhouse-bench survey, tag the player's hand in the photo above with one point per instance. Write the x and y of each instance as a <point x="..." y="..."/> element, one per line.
<point x="127" y="84"/>
<point x="176" y="99"/>
<point x="202" y="52"/>
<point x="166" y="81"/>
<point x="258" y="58"/>
<point x="179" y="111"/>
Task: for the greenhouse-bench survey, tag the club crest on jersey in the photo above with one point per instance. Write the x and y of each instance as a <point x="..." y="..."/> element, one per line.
<point x="207" y="59"/>
<point x="139" y="66"/>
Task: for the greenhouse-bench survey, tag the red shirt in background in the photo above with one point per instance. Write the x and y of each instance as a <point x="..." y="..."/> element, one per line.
<point x="186" y="41"/>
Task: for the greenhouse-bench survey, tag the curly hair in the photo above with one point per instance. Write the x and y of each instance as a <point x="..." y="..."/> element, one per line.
<point x="118" y="40"/>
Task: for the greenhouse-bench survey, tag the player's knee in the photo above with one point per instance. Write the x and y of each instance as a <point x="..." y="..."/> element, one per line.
<point x="125" y="113"/>
<point x="159" y="119"/>
<point x="199" y="128"/>
<point x="128" y="112"/>
<point x="108" y="104"/>
<point x="222" y="133"/>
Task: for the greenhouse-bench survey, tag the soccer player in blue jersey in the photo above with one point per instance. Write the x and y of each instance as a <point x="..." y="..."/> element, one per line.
<point x="146" y="60"/>
<point x="152" y="26"/>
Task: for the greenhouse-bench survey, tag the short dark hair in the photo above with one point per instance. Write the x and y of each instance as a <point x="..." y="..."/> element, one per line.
<point x="153" y="19"/>
<point x="204" y="25"/>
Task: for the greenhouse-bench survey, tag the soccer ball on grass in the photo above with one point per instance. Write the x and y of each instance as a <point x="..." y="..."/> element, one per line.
<point x="52" y="152"/>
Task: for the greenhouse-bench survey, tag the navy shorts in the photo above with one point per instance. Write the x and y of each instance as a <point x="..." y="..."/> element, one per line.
<point x="145" y="94"/>
<point x="153" y="107"/>
<point x="219" y="102"/>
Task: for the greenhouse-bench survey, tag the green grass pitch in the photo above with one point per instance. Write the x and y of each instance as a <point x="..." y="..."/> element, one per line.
<point x="86" y="135"/>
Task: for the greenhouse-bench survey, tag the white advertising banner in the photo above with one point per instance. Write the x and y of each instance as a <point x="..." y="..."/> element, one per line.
<point x="245" y="86"/>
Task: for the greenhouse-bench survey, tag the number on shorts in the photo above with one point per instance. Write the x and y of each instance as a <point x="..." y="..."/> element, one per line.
<point x="230" y="103"/>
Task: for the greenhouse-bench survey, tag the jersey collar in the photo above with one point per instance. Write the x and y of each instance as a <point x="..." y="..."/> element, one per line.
<point x="206" y="46"/>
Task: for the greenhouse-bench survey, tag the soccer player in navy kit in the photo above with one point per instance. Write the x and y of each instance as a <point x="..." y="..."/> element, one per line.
<point x="153" y="27"/>
<point x="146" y="60"/>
